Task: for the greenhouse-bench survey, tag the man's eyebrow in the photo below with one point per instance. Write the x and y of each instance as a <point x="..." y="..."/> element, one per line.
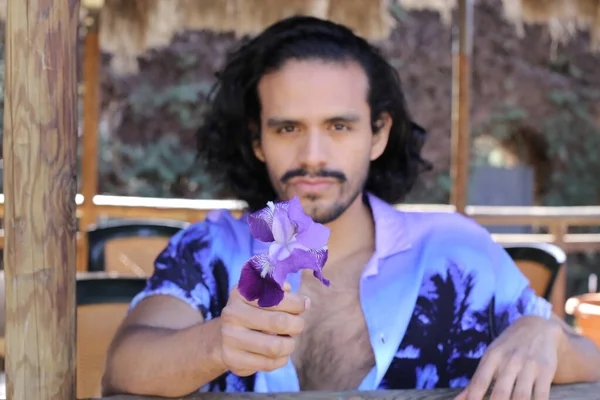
<point x="273" y="122"/>
<point x="348" y="118"/>
<point x="344" y="118"/>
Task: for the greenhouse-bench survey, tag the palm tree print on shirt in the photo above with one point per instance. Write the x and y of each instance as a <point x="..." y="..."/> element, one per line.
<point x="445" y="338"/>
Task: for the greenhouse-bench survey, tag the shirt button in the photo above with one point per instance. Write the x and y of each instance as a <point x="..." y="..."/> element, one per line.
<point x="382" y="338"/>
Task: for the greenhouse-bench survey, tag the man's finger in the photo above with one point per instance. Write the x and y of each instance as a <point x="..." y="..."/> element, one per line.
<point x="525" y="381"/>
<point x="292" y="303"/>
<point x="249" y="341"/>
<point x="462" y="395"/>
<point x="275" y="322"/>
<point x="505" y="379"/>
<point x="483" y="376"/>
<point x="506" y="375"/>
<point x="541" y="389"/>
<point x="244" y="364"/>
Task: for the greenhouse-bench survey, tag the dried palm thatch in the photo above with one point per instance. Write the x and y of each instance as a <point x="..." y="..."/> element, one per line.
<point x="128" y="27"/>
<point x="443" y="7"/>
<point x="563" y="17"/>
<point x="369" y="18"/>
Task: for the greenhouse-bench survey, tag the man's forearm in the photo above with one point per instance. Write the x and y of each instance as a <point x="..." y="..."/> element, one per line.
<point x="578" y="357"/>
<point x="162" y="362"/>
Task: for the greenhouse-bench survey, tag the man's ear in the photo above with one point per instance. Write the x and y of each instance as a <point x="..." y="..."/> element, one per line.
<point x="256" y="148"/>
<point x="381" y="135"/>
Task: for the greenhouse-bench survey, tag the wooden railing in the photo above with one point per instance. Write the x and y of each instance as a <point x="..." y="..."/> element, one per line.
<point x="556" y="220"/>
<point x="583" y="391"/>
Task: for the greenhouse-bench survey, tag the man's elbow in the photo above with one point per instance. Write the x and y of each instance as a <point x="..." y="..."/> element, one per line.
<point x="121" y="376"/>
<point x="116" y="382"/>
<point x="127" y="383"/>
<point x="109" y="386"/>
<point x="120" y="380"/>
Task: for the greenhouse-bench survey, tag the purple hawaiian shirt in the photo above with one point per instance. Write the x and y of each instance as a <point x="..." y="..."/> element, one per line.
<point x="435" y="294"/>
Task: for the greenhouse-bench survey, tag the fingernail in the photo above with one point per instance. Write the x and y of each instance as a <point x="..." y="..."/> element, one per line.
<point x="306" y="303"/>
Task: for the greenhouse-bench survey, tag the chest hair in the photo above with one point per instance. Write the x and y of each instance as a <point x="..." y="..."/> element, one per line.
<point x="334" y="351"/>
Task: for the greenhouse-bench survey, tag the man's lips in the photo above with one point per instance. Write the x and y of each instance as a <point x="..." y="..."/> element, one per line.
<point x="312" y="184"/>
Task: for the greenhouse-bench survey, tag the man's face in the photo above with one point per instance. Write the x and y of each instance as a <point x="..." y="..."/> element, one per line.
<point x="316" y="136"/>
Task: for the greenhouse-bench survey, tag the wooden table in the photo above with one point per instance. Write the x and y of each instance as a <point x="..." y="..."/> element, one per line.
<point x="584" y="391"/>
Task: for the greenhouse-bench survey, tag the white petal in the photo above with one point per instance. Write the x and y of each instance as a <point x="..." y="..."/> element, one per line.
<point x="282" y="228"/>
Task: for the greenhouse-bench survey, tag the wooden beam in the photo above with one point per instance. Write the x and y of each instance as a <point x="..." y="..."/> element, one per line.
<point x="94" y="5"/>
<point x="581" y="391"/>
<point x="154" y="207"/>
<point x="558" y="297"/>
<point x="40" y="149"/>
<point x="91" y="118"/>
<point x="462" y="48"/>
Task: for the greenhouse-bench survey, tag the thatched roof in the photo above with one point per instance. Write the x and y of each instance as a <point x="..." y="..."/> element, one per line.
<point x="129" y="27"/>
<point x="564" y="18"/>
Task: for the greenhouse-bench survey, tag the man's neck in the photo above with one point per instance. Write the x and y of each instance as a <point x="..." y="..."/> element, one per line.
<point x="353" y="231"/>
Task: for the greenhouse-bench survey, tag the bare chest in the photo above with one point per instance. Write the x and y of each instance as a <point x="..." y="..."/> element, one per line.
<point x="334" y="351"/>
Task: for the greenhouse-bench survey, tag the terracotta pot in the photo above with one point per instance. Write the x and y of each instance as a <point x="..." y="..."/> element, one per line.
<point x="586" y="310"/>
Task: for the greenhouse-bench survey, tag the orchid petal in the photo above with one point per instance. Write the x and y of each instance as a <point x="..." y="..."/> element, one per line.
<point x="260" y="224"/>
<point x="253" y="286"/>
<point x="250" y="285"/>
<point x="282" y="228"/>
<point x="301" y="259"/>
<point x="320" y="256"/>
<point x="296" y="242"/>
<point x="272" y="294"/>
<point x="315" y="236"/>
<point x="278" y="251"/>
<point x="297" y="215"/>
<point x="309" y="233"/>
<point x="298" y="260"/>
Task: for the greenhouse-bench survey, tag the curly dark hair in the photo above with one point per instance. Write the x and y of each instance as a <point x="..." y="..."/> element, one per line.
<point x="225" y="140"/>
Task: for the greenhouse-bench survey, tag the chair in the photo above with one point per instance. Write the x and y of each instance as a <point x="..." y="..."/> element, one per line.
<point x="586" y="310"/>
<point x="129" y="246"/>
<point x="102" y="303"/>
<point x="539" y="262"/>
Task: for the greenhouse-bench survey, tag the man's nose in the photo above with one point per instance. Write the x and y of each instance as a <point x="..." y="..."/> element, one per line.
<point x="315" y="148"/>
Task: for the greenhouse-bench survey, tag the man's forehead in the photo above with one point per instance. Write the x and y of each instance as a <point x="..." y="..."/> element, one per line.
<point x="326" y="89"/>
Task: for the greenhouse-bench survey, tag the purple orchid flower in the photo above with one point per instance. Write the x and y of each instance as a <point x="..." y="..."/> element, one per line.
<point x="296" y="242"/>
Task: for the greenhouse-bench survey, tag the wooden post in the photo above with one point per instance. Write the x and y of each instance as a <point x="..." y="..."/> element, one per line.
<point x="558" y="297"/>
<point x="91" y="116"/>
<point x="462" y="49"/>
<point x="40" y="154"/>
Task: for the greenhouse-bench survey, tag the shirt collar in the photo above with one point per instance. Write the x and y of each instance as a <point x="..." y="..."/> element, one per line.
<point x="391" y="235"/>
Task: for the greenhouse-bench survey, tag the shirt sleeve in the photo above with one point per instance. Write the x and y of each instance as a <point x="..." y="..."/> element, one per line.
<point x="513" y="296"/>
<point x="187" y="270"/>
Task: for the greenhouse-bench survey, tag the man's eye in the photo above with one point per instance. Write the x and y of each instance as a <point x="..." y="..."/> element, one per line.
<point x="340" y="127"/>
<point x="287" y="129"/>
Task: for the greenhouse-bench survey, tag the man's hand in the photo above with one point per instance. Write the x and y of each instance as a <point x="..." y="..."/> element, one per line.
<point x="522" y="362"/>
<point x="259" y="339"/>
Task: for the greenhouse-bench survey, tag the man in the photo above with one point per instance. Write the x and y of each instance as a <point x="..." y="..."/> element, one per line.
<point x="417" y="300"/>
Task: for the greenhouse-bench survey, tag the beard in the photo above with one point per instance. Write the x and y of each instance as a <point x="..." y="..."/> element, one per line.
<point x="324" y="211"/>
<point x="325" y="214"/>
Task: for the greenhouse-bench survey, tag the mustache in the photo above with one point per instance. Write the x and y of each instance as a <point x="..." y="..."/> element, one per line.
<point x="324" y="173"/>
